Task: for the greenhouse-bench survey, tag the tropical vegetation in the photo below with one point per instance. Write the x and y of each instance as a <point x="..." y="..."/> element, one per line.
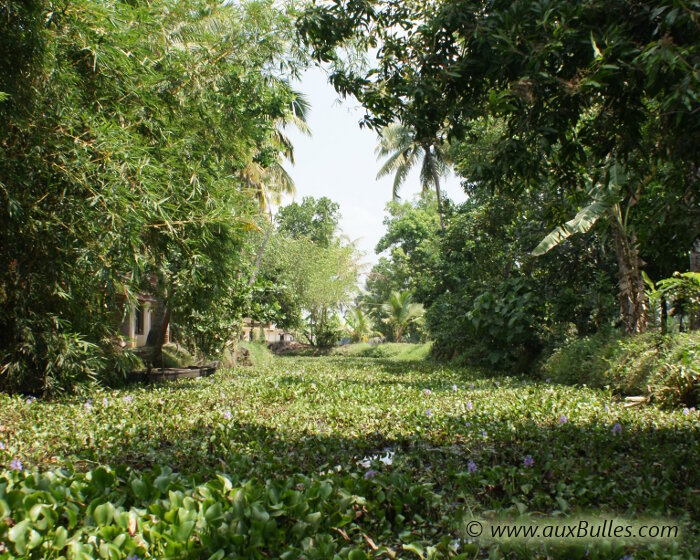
<point x="531" y="351"/>
<point x="336" y="457"/>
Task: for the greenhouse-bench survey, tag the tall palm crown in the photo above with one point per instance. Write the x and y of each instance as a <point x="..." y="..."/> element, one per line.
<point x="270" y="182"/>
<point x="404" y="152"/>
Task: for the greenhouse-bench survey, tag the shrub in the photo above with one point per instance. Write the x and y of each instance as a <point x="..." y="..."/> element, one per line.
<point x="50" y="358"/>
<point x="496" y="327"/>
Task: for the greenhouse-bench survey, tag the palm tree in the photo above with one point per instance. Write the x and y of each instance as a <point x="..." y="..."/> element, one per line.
<point x="401" y="312"/>
<point x="403" y="152"/>
<point x="270" y="183"/>
<point x="359" y="324"/>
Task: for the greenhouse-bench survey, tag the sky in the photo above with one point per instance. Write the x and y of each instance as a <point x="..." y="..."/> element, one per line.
<point x="338" y="161"/>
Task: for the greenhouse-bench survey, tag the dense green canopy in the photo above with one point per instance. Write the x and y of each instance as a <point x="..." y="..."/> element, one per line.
<point x="124" y="131"/>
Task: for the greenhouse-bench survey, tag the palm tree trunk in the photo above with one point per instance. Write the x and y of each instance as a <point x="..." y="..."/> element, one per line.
<point x="261" y="251"/>
<point x="633" y="299"/>
<point x="436" y="181"/>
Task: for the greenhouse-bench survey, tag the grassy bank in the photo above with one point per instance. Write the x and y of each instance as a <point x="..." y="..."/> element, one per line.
<point x="391" y="350"/>
<point x="666" y="368"/>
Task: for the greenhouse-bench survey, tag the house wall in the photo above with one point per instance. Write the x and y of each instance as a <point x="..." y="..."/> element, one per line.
<point x="270" y="333"/>
<point x="128" y="327"/>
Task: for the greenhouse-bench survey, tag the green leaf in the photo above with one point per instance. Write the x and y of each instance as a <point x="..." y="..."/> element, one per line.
<point x="416" y="548"/>
<point x="582" y="222"/>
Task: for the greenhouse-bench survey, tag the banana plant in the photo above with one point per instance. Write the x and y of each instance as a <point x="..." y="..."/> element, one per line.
<point x="608" y="195"/>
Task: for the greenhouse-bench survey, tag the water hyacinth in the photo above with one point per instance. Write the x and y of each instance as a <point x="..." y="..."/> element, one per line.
<point x="617" y="429"/>
<point x="428" y="392"/>
<point x="429" y="413"/>
<point x="2" y="446"/>
<point x="227" y="415"/>
<point x="469" y="405"/>
<point x="88" y="405"/>
<point x="562" y="419"/>
<point x="105" y="402"/>
<point x="471" y="466"/>
<point x="370" y="474"/>
<point x="16" y="465"/>
<point x="454" y="387"/>
<point x="528" y="461"/>
<point x="128" y="399"/>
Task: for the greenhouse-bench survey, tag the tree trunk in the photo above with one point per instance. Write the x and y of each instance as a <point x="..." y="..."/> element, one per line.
<point x="436" y="180"/>
<point x="632" y="295"/>
<point x="156" y="335"/>
<point x="695" y="267"/>
<point x="664" y="314"/>
<point x="259" y="256"/>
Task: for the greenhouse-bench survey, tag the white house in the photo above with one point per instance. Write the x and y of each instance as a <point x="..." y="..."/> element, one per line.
<point x="270" y="332"/>
<point x="137" y="322"/>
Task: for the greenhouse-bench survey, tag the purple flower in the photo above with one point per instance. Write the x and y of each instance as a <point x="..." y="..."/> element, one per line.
<point x="686" y="411"/>
<point x="548" y="379"/>
<point x="2" y="446"/>
<point x="88" y="406"/>
<point x="528" y="461"/>
<point x="427" y="391"/>
<point x="467" y="424"/>
<point x="30" y="400"/>
<point x="16" y="465"/>
<point x="617" y="429"/>
<point x="454" y="387"/>
<point x="227" y="415"/>
<point x="607" y="407"/>
<point x="470" y="405"/>
<point x="105" y="402"/>
<point x="496" y="383"/>
<point x="471" y="386"/>
<point x="484" y="434"/>
<point x="428" y="413"/>
<point x="562" y="419"/>
<point x="128" y="399"/>
<point x="471" y="466"/>
<point x="370" y="474"/>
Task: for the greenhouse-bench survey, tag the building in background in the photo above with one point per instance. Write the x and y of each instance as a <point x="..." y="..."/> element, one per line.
<point x="253" y="330"/>
<point x="137" y="322"/>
